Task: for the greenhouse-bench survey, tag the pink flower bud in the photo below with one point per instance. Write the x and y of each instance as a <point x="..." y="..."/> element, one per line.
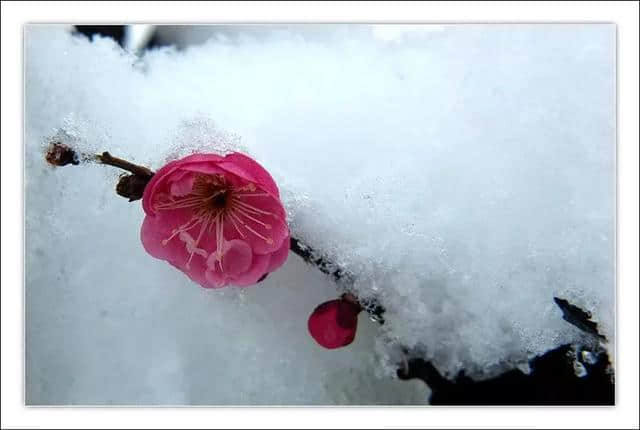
<point x="333" y="324"/>
<point x="219" y="219"/>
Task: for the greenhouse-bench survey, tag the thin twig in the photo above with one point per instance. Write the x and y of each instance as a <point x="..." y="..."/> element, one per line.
<point x="132" y="187"/>
<point x="106" y="158"/>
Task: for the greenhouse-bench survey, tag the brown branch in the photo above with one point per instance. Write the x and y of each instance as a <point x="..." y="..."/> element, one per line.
<point x="108" y="159"/>
<point x="132" y="187"/>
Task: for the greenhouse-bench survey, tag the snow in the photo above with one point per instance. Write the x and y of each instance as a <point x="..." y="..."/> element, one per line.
<point x="465" y="174"/>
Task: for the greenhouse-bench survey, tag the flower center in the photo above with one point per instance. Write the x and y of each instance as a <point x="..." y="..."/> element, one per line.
<point x="219" y="200"/>
<point x="213" y="201"/>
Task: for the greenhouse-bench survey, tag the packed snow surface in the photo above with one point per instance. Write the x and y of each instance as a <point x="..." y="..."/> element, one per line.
<point x="465" y="174"/>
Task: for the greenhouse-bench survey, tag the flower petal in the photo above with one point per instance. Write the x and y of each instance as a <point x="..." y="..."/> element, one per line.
<point x="258" y="269"/>
<point x="181" y="183"/>
<point x="279" y="257"/>
<point x="214" y="279"/>
<point x="247" y="168"/>
<point x="236" y="258"/>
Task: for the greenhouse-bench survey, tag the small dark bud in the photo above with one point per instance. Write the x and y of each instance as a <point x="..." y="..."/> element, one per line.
<point x="59" y="154"/>
<point x="132" y="186"/>
<point x="262" y="278"/>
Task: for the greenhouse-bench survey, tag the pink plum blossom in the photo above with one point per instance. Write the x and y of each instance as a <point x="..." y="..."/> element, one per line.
<point x="219" y="219"/>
